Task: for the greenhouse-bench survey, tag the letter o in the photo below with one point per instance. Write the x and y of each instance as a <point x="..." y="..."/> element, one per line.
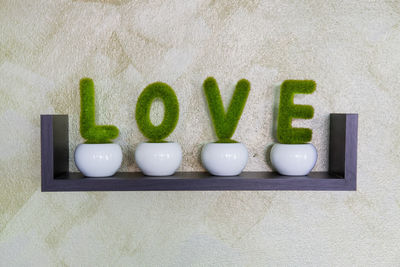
<point x="171" y="111"/>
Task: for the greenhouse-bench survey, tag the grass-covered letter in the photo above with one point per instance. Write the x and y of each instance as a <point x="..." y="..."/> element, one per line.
<point x="286" y="134"/>
<point x="162" y="91"/>
<point x="94" y="134"/>
<point x="225" y="123"/>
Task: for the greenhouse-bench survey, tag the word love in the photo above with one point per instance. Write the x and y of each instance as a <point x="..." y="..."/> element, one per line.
<point x="225" y="122"/>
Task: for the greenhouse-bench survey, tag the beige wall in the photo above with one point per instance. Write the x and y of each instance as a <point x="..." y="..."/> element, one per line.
<point x="350" y="48"/>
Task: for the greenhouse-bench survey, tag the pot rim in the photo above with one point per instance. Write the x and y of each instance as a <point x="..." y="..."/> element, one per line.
<point x="158" y="144"/>
<point x="167" y="142"/>
<point x="214" y="143"/>
<point x="99" y="144"/>
<point x="276" y="144"/>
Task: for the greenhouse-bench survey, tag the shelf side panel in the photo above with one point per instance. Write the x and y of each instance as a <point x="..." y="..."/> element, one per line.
<point x="47" y="155"/>
<point x="61" y="145"/>
<point x="343" y="147"/>
<point x="54" y="146"/>
<point x="351" y="150"/>
<point x="337" y="144"/>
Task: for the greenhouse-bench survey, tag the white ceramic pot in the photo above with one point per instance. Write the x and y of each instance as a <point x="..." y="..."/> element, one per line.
<point x="293" y="159"/>
<point x="98" y="160"/>
<point x="158" y="159"/>
<point x="224" y="159"/>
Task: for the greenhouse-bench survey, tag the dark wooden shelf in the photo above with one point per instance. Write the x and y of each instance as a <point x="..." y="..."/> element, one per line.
<point x="341" y="175"/>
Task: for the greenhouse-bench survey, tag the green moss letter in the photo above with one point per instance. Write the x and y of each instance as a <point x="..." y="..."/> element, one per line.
<point x="171" y="111"/>
<point x="225" y="123"/>
<point x="94" y="134"/>
<point x="288" y="110"/>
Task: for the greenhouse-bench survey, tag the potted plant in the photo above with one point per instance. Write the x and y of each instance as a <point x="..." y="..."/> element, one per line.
<point x="98" y="156"/>
<point x="294" y="156"/>
<point x="225" y="157"/>
<point x="158" y="157"/>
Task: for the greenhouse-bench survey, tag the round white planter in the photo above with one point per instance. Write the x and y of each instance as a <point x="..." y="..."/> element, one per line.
<point x="158" y="159"/>
<point x="98" y="160"/>
<point x="224" y="159"/>
<point x="293" y="159"/>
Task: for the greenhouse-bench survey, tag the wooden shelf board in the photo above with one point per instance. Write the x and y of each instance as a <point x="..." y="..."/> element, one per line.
<point x="341" y="175"/>
<point x="185" y="181"/>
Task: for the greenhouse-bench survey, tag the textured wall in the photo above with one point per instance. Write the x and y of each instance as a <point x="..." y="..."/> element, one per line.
<point x="350" y="48"/>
